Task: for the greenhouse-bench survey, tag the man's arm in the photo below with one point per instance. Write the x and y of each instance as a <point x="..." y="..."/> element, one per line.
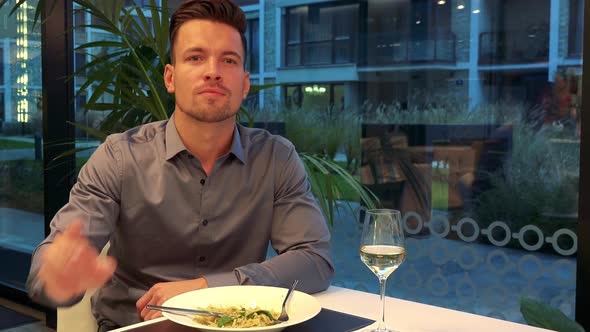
<point x="299" y="235"/>
<point x="94" y="202"/>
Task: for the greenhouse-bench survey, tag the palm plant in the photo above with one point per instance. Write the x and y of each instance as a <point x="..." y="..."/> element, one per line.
<point x="125" y="81"/>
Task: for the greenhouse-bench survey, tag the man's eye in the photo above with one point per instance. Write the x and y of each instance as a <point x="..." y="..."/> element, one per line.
<point x="230" y="61"/>
<point x="195" y="58"/>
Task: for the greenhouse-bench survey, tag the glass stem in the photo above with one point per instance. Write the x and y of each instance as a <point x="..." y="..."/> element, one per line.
<point x="382" y="327"/>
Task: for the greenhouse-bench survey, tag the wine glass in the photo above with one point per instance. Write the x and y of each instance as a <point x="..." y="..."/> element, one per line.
<point x="383" y="249"/>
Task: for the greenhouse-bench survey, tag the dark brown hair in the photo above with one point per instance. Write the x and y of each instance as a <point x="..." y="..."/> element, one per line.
<point x="222" y="11"/>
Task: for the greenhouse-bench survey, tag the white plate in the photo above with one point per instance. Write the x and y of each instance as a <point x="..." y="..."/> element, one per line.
<point x="300" y="307"/>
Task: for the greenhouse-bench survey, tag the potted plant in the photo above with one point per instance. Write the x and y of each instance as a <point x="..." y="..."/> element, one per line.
<point x="124" y="77"/>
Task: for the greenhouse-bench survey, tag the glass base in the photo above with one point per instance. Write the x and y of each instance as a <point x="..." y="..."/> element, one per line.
<point x="385" y="329"/>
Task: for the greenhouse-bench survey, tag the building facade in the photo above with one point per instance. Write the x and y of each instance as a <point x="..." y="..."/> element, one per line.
<point x="344" y="53"/>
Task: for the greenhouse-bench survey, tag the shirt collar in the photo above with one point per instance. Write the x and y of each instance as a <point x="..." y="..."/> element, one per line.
<point x="174" y="144"/>
<point x="237" y="149"/>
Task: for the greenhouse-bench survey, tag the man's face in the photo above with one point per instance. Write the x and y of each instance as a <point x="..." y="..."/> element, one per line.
<point x="208" y="75"/>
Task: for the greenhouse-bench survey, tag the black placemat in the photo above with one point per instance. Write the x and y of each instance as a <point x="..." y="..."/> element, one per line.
<point x="333" y="321"/>
<point x="326" y="320"/>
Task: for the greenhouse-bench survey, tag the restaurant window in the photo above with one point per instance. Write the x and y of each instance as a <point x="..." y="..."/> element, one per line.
<point x="315" y="34"/>
<point x="482" y="158"/>
<point x="409" y="31"/>
<point x="246" y="2"/>
<point x="253" y="40"/>
<point x="2" y="111"/>
<point x="21" y="186"/>
<point x="79" y="17"/>
<point x="140" y="3"/>
<point x="576" y="28"/>
<point x="2" y="66"/>
<point x="79" y="61"/>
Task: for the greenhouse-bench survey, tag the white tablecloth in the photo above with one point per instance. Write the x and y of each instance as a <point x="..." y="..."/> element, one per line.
<point x="405" y="316"/>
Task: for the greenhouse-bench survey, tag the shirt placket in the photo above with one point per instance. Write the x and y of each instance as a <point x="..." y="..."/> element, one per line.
<point x="201" y="259"/>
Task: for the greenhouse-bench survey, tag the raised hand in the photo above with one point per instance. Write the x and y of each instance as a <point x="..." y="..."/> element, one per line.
<point x="71" y="265"/>
<point x="161" y="292"/>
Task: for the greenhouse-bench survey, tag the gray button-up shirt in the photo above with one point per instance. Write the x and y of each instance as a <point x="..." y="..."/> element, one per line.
<point x="167" y="220"/>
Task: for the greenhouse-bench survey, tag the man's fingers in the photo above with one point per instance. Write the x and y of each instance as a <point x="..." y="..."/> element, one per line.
<point x="153" y="314"/>
<point x="143" y="302"/>
<point x="73" y="230"/>
<point x="103" y="270"/>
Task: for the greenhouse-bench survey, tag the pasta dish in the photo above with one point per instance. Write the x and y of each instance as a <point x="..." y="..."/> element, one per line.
<point x="235" y="317"/>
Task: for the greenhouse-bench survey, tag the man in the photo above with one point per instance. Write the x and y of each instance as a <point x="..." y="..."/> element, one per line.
<point x="187" y="203"/>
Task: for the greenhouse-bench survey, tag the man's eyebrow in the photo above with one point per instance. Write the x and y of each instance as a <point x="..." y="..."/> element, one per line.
<point x="194" y="49"/>
<point x="202" y="50"/>
<point x="233" y="53"/>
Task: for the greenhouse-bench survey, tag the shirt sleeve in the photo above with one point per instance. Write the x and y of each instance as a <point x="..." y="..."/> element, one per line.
<point x="299" y="235"/>
<point x="94" y="200"/>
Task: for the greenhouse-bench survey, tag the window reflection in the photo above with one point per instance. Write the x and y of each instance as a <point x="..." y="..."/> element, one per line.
<point x="253" y="40"/>
<point x="576" y="28"/>
<point x="316" y="35"/>
<point x="469" y="114"/>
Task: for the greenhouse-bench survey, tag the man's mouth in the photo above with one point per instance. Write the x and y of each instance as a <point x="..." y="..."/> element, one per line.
<point x="212" y="92"/>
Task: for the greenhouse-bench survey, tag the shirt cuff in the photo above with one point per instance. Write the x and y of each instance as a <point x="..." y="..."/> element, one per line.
<point x="37" y="293"/>
<point x="221" y="279"/>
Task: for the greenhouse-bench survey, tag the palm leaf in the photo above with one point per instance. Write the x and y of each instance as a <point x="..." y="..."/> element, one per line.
<point x="539" y="314"/>
<point x="125" y="76"/>
<point x="90" y="130"/>
<point x="327" y="192"/>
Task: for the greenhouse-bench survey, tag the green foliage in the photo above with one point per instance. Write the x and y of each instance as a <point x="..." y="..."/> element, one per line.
<point x="321" y="173"/>
<point x="539" y="314"/>
<point x="6" y="144"/>
<point x="538" y="182"/>
<point x="21" y="187"/>
<point x="325" y="132"/>
<point x="125" y="75"/>
<point x="537" y="185"/>
<point x="442" y="109"/>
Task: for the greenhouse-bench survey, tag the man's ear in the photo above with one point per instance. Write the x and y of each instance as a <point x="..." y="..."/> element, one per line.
<point x="169" y="78"/>
<point x="246" y="85"/>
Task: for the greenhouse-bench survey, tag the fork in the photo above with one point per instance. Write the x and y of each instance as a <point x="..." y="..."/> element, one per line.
<point x="283" y="317"/>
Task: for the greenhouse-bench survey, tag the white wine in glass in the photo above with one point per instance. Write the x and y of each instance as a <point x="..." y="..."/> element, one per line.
<point x="383" y="249"/>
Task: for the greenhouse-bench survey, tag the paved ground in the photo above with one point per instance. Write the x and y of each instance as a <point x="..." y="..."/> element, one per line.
<point x="18" y="154"/>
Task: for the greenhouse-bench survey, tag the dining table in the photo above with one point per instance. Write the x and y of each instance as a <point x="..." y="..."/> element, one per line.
<point x="360" y="309"/>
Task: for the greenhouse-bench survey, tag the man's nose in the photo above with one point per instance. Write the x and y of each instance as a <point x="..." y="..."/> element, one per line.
<point x="213" y="71"/>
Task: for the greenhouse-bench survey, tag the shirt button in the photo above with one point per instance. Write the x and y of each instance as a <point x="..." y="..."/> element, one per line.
<point x="202" y="259"/>
<point x="205" y="222"/>
<point x="202" y="182"/>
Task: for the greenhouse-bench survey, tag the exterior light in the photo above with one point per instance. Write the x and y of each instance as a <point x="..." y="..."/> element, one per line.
<point x="315" y="90"/>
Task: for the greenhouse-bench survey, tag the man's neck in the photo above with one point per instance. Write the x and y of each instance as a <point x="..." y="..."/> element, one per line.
<point x="206" y="141"/>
